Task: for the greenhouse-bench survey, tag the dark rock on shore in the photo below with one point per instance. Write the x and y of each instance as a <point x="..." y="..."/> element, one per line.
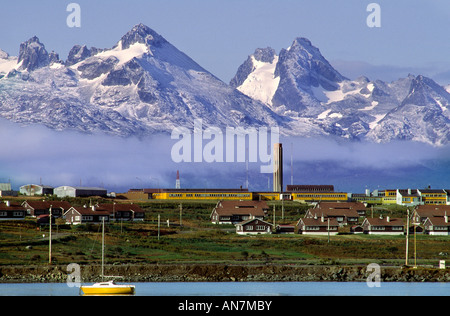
<point x="220" y="273"/>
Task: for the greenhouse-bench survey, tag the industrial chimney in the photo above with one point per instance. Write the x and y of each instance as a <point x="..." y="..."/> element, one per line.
<point x="278" y="167"/>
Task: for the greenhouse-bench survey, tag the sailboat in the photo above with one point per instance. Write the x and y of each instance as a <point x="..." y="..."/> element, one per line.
<point x="109" y="287"/>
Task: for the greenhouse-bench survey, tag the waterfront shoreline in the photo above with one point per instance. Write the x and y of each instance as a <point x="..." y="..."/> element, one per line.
<point x="221" y="273"/>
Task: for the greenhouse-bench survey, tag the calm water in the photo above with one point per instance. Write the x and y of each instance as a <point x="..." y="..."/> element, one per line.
<point x="246" y="289"/>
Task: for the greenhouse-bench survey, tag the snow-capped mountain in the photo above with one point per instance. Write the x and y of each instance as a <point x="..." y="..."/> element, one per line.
<point x="140" y="86"/>
<point x="301" y="84"/>
<point x="144" y="84"/>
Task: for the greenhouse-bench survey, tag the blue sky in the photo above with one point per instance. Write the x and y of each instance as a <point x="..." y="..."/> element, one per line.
<point x="220" y="34"/>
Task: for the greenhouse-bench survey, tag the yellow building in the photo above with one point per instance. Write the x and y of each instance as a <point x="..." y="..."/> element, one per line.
<point x="198" y="194"/>
<point x="310" y="197"/>
<point x="437" y="197"/>
<point x="388" y="196"/>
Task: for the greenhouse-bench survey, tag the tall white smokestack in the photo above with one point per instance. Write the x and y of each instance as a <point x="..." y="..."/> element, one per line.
<point x="278" y="167"/>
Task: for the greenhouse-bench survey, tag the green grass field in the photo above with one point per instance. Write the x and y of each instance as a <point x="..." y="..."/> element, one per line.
<point x="199" y="241"/>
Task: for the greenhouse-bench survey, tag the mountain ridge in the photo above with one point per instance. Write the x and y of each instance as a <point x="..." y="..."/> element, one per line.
<point x="145" y="85"/>
<point x="142" y="85"/>
<point x="312" y="92"/>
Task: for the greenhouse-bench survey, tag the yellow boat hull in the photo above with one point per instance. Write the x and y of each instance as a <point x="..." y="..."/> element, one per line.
<point x="108" y="289"/>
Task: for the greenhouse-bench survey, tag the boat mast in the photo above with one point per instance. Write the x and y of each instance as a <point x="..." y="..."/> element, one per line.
<point x="103" y="246"/>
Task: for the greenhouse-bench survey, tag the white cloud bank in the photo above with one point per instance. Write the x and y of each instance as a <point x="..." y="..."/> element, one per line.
<point x="34" y="153"/>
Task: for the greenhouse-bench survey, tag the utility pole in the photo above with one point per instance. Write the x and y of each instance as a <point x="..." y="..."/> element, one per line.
<point x="415" y="245"/>
<point x="274" y="217"/>
<point x="181" y="214"/>
<point x="159" y="224"/>
<point x="407" y="235"/>
<point x="328" y="219"/>
<point x="50" y="238"/>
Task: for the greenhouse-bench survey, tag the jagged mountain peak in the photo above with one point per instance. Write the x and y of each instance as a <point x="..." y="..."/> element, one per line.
<point x="143" y="34"/>
<point x="265" y="55"/>
<point x="305" y="59"/>
<point x="33" y="55"/>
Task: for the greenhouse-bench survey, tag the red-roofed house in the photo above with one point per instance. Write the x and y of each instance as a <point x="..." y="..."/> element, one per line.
<point x="233" y="212"/>
<point x="383" y="226"/>
<point x="254" y="226"/>
<point x="318" y="226"/>
<point x="437" y="225"/>
<point x="82" y="215"/>
<point x="36" y="208"/>
<point x="10" y="211"/>
<point x="422" y="212"/>
<point x="123" y="212"/>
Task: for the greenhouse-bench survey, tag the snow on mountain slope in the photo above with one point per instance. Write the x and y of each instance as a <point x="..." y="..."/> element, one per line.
<point x="6" y="64"/>
<point x="258" y="72"/>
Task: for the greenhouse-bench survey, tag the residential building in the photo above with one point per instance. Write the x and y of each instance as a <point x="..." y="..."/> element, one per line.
<point x="254" y="226"/>
<point x="84" y="215"/>
<point x="388" y="196"/>
<point x="233" y="212"/>
<point x="436" y="197"/>
<point x="422" y="212"/>
<point x="408" y="197"/>
<point x="11" y="211"/>
<point x="123" y="212"/>
<point x="342" y="216"/>
<point x="318" y="226"/>
<point x="37" y="208"/>
<point x="437" y="225"/>
<point x="383" y="226"/>
<point x="344" y="212"/>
